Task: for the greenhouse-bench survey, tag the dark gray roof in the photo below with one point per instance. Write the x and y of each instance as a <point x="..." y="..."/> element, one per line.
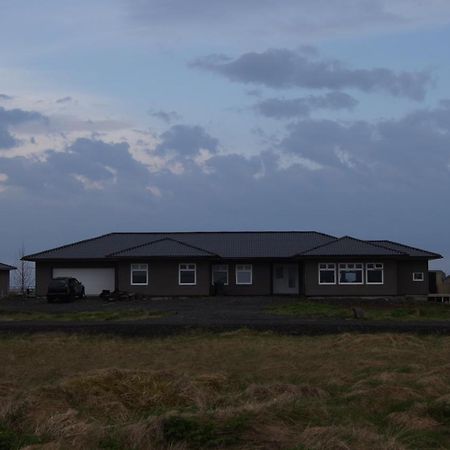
<point x="348" y="246"/>
<point x="250" y="244"/>
<point x="7" y="267"/>
<point x="166" y="247"/>
<point x="258" y="244"/>
<point x="411" y="251"/>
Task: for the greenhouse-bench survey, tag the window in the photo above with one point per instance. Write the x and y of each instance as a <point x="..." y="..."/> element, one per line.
<point x="220" y="273"/>
<point x="187" y="274"/>
<point x="279" y="272"/>
<point x="139" y="274"/>
<point x="374" y="273"/>
<point x="418" y="276"/>
<point x="244" y="274"/>
<point x="327" y="273"/>
<point x="350" y="273"/>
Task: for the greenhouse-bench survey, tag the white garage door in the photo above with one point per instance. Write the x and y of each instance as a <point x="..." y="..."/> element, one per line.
<point x="93" y="280"/>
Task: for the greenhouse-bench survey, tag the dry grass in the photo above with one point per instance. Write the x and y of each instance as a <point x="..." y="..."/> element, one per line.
<point x="236" y="390"/>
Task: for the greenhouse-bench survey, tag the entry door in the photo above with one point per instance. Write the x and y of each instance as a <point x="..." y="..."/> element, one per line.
<point x="285" y="279"/>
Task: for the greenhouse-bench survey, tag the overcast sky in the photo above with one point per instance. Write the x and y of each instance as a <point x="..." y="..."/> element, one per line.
<point x="155" y="115"/>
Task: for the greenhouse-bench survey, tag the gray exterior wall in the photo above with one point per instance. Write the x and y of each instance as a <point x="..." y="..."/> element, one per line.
<point x="4" y="283"/>
<point x="397" y="280"/>
<point x="163" y="278"/>
<point x="406" y="285"/>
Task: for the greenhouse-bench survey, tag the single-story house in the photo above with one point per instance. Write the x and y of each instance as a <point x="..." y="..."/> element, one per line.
<point x="245" y="263"/>
<point x="5" y="269"/>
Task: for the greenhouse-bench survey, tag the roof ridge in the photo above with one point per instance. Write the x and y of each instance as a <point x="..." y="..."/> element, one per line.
<point x="353" y="239"/>
<point x="32" y="255"/>
<point x="407" y="246"/>
<point x="160" y="240"/>
<point x="226" y="232"/>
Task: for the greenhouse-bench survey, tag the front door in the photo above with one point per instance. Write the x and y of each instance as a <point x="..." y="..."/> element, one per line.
<point x="285" y="279"/>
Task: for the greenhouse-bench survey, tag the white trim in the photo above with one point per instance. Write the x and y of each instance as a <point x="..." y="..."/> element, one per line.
<point x="361" y="269"/>
<point x="421" y="279"/>
<point x="374" y="269"/>
<point x="227" y="270"/>
<point x="187" y="270"/>
<point x="139" y="270"/>
<point x="320" y="269"/>
<point x="236" y="270"/>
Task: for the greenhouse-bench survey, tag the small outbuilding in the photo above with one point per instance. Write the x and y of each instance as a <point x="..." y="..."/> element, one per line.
<point x="5" y="269"/>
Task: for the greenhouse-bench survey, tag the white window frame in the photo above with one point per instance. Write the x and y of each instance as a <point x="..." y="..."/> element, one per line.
<point x="328" y="267"/>
<point x="368" y="269"/>
<point x="180" y="269"/>
<point x="134" y="269"/>
<point x="421" y="279"/>
<point x="237" y="269"/>
<point x="226" y="269"/>
<point x="344" y="266"/>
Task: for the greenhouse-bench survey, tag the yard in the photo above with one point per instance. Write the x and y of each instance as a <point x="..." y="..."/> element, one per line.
<point x="237" y="390"/>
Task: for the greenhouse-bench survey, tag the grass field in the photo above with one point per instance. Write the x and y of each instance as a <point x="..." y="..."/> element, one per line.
<point x="309" y="309"/>
<point x="237" y="391"/>
<point x="130" y="314"/>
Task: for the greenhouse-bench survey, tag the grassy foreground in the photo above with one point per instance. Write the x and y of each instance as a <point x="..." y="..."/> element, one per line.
<point x="237" y="391"/>
<point x="130" y="314"/>
<point x="314" y="310"/>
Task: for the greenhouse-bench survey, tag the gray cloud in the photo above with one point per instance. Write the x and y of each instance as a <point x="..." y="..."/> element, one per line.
<point x="5" y="97"/>
<point x="166" y="116"/>
<point x="64" y="100"/>
<point x="281" y="108"/>
<point x="12" y="118"/>
<point x="412" y="149"/>
<point x="287" y="69"/>
<point x="272" y="20"/>
<point x="186" y="140"/>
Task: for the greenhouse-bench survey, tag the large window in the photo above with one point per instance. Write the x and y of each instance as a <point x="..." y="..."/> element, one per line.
<point x="374" y="273"/>
<point x="139" y="274"/>
<point x="187" y="274"/>
<point x="244" y="274"/>
<point x="327" y="273"/>
<point x="220" y="274"/>
<point x="350" y="273"/>
<point x="418" y="276"/>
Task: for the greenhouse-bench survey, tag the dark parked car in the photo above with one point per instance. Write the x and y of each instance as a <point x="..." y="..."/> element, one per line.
<point x="64" y="289"/>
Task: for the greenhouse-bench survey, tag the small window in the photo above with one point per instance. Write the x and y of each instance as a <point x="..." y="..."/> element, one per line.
<point x="244" y="274"/>
<point x="351" y="273"/>
<point x="220" y="274"/>
<point x="374" y="273"/>
<point x="139" y="274"/>
<point x="279" y="272"/>
<point x="418" y="276"/>
<point x="187" y="274"/>
<point x="327" y="273"/>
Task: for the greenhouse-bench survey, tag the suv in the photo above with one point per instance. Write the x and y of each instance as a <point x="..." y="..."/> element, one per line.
<point x="65" y="289"/>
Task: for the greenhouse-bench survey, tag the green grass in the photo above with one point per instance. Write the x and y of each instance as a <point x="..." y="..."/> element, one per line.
<point x="82" y="316"/>
<point x="313" y="310"/>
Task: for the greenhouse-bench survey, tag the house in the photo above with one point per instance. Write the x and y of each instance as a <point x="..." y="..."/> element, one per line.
<point x="4" y="279"/>
<point x="246" y="263"/>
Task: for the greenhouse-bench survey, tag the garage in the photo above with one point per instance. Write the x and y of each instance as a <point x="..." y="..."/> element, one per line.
<point x="95" y="280"/>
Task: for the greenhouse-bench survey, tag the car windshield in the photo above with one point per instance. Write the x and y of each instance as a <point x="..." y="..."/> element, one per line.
<point x="58" y="283"/>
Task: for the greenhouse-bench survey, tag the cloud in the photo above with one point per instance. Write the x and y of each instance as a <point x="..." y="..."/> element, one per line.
<point x="287" y="69"/>
<point x="165" y="116"/>
<point x="186" y="140"/>
<point x="64" y="100"/>
<point x="12" y="118"/>
<point x="269" y="20"/>
<point x="281" y="108"/>
<point x="5" y="97"/>
<point x="412" y="149"/>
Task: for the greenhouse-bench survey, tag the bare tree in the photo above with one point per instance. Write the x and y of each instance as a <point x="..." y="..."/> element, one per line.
<point x="24" y="274"/>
